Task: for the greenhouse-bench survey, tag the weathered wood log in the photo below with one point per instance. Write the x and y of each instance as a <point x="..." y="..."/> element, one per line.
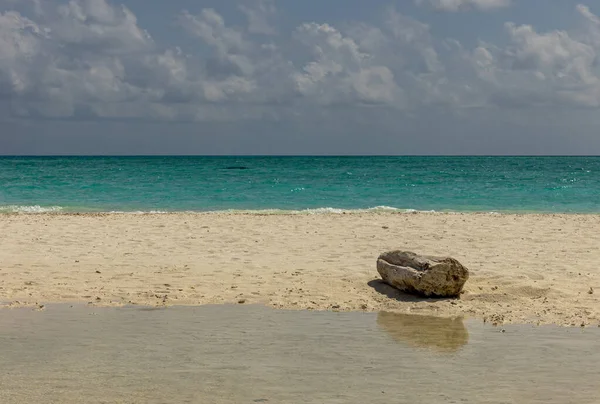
<point x="422" y="274"/>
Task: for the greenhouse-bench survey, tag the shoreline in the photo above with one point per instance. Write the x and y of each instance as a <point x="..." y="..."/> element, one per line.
<point x="524" y="268"/>
<point x="293" y="213"/>
<point x="61" y="210"/>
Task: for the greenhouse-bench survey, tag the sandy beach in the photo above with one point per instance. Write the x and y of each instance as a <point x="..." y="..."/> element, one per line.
<point x="530" y="268"/>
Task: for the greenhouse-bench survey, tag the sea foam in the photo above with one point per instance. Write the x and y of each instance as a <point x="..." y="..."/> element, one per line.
<point x="30" y="209"/>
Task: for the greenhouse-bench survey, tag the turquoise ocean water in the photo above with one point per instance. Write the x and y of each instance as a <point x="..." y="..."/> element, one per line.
<point x="311" y="184"/>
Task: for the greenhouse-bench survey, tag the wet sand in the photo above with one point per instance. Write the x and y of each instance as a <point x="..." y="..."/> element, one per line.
<point x="524" y="268"/>
<point x="252" y="354"/>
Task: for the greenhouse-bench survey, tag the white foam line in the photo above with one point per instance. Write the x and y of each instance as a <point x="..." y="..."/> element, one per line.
<point x="30" y="209"/>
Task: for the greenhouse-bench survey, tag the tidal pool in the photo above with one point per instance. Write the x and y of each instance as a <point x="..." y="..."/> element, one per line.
<point x="253" y="354"/>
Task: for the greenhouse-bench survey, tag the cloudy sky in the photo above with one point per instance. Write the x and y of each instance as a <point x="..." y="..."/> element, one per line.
<point x="299" y="77"/>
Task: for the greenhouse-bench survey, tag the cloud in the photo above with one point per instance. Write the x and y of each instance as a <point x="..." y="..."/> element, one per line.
<point x="98" y="26"/>
<point x="458" y="5"/>
<point x="238" y="70"/>
<point x="210" y="27"/>
<point x="92" y="59"/>
<point x="36" y="6"/>
<point x="340" y="72"/>
<point x="424" y="68"/>
<point x="542" y="69"/>
<point x="20" y="44"/>
<point x="76" y="55"/>
<point x="232" y="68"/>
<point x="590" y="26"/>
<point x="259" y="16"/>
<point x="393" y="64"/>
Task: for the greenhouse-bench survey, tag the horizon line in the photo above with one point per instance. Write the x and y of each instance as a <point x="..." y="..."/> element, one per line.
<point x="296" y="155"/>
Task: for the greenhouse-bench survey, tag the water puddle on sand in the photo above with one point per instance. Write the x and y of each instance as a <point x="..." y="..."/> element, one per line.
<point x="253" y="354"/>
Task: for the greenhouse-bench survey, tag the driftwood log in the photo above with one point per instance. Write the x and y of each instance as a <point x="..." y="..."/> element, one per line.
<point x="422" y="274"/>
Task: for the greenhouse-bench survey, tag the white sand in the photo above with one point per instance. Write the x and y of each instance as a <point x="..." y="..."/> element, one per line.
<point x="524" y="268"/>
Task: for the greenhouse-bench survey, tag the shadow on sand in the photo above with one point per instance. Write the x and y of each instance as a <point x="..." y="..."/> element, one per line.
<point x="393" y="293"/>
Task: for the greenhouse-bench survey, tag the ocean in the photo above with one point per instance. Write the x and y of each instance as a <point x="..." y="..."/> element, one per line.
<point x="300" y="184"/>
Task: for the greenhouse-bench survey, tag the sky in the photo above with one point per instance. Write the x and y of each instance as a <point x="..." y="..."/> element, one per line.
<point x="341" y="77"/>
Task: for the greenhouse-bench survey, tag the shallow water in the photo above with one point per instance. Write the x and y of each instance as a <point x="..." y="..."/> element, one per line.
<point x="251" y="354"/>
<point x="83" y="184"/>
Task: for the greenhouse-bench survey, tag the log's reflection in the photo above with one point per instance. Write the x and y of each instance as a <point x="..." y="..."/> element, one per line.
<point x="437" y="333"/>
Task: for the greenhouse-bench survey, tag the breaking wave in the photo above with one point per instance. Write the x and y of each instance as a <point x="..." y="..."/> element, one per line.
<point x="33" y="209"/>
<point x="323" y="211"/>
<point x="30" y="209"/>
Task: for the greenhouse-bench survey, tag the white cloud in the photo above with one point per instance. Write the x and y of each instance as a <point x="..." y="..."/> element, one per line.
<point x="259" y="17"/>
<point x="98" y="26"/>
<point x="210" y="27"/>
<point x="239" y="70"/>
<point x="92" y="58"/>
<point x="457" y="5"/>
<point x="76" y="55"/>
<point x="590" y="27"/>
<point x="538" y="69"/>
<point x="340" y="71"/>
<point x="21" y="42"/>
<point x="413" y="36"/>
